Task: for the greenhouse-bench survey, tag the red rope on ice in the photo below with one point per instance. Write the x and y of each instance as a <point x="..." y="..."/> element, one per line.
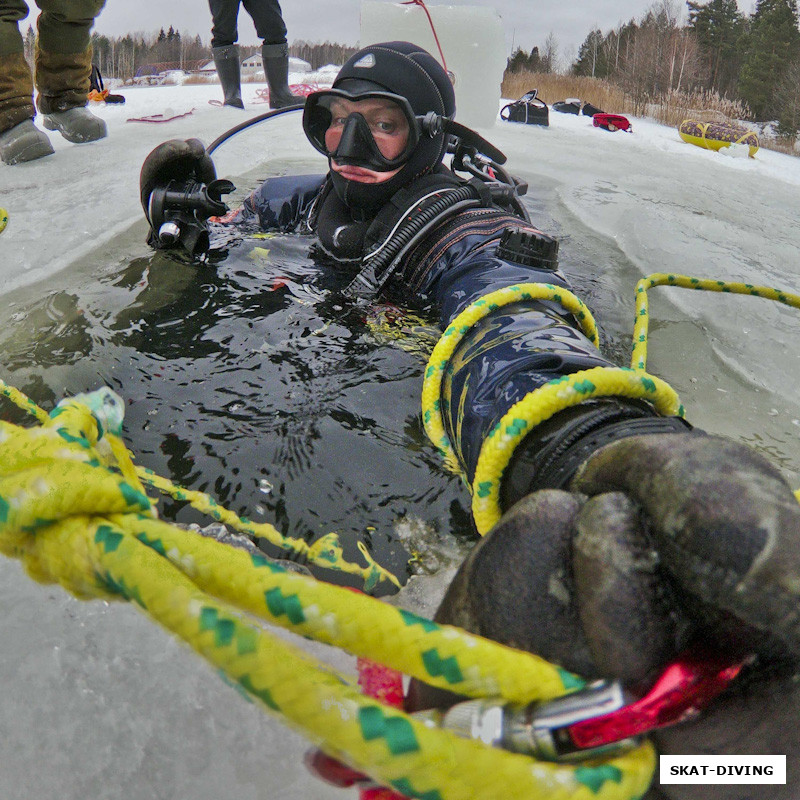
<point x="430" y="21"/>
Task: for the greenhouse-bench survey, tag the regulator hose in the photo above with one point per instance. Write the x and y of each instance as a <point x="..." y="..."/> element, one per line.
<point x="381" y="263"/>
<point x="247" y="123"/>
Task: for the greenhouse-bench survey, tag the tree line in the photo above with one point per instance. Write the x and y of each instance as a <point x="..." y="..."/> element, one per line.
<point x="753" y="59"/>
<point x="127" y="56"/>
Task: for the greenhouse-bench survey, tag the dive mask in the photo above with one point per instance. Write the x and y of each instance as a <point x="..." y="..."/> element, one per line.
<point x="375" y="130"/>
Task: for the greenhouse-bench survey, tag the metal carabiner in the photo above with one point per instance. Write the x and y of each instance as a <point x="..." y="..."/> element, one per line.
<point x="599" y="719"/>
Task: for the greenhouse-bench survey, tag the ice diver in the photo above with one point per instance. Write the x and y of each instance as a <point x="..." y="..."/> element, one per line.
<point x="658" y="536"/>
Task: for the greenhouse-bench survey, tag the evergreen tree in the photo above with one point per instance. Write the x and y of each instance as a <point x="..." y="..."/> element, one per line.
<point x="787" y="97"/>
<point x="521" y="61"/>
<point x="534" y="61"/>
<point x="774" y="43"/>
<point x="518" y="61"/>
<point x="591" y="57"/>
<point x="719" y="28"/>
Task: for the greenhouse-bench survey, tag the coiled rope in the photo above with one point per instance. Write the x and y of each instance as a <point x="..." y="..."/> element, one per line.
<point x="73" y="510"/>
<point x="324" y="552"/>
<point x="556" y="395"/>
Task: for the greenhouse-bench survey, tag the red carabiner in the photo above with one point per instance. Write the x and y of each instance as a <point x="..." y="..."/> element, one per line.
<point x="684" y="688"/>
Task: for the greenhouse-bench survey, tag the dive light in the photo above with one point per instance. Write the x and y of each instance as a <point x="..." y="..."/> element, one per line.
<point x="178" y="213"/>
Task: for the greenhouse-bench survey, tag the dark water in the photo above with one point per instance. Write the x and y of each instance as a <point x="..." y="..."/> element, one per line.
<point x="248" y="379"/>
<point x="245" y="380"/>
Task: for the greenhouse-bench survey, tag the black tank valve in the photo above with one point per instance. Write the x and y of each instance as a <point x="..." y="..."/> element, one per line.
<point x="528" y="248"/>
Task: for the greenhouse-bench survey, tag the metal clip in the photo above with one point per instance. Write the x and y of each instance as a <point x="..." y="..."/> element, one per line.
<point x="539" y="729"/>
<point x="598" y="719"/>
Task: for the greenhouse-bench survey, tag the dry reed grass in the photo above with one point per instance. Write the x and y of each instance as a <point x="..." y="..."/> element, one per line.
<point x="672" y="110"/>
<point x="198" y="80"/>
<point x="553" y="87"/>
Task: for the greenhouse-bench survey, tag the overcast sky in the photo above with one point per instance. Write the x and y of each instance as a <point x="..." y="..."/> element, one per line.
<point x="527" y="23"/>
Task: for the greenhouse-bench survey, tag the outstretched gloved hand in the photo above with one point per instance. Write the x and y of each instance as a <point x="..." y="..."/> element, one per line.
<point x="665" y="542"/>
<point x="174" y="160"/>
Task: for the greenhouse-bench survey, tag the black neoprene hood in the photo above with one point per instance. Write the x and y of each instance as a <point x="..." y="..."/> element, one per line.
<point x="404" y="69"/>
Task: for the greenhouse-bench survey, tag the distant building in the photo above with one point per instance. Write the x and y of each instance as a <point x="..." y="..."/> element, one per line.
<point x="252" y="64"/>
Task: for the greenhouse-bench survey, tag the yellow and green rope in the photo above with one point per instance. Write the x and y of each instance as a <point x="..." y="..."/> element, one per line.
<point x="72" y="509"/>
<point x="556" y="395"/>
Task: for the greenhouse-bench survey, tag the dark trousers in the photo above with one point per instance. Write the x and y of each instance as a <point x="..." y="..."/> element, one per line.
<point x="266" y="14"/>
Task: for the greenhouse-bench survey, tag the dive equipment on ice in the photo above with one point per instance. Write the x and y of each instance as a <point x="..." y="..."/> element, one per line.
<point x="530" y="109"/>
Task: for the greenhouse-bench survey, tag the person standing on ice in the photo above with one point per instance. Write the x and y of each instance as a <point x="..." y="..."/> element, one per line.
<point x="62" y="74"/>
<point x="626" y="536"/>
<point x="271" y="29"/>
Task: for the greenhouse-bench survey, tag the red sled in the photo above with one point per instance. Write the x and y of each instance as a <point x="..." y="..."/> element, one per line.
<point x="612" y="122"/>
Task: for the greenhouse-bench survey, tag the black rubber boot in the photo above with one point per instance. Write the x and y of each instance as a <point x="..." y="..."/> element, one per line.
<point x="226" y="60"/>
<point x="275" y="58"/>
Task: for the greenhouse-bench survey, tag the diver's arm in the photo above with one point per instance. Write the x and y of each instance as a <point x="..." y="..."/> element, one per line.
<point x="653" y="545"/>
<point x="178" y="187"/>
<point x="513" y="351"/>
<point x="280" y="203"/>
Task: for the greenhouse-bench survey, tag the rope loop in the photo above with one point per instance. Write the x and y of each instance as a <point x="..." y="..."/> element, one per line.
<point x="74" y="512"/>
<point x="541" y="404"/>
<point x="457" y="329"/>
<point x="570" y="390"/>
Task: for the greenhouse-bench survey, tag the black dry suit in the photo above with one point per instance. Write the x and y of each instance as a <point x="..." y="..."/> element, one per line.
<point x="469" y="250"/>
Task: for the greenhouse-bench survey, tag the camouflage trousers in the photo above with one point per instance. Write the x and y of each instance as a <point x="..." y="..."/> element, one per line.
<point x="62" y="58"/>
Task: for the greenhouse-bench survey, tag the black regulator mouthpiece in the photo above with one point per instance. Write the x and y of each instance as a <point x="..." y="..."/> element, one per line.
<point x="179" y="212"/>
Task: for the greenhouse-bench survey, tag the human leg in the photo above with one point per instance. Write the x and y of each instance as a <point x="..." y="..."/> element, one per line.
<point x="224" y="33"/>
<point x="226" y="60"/>
<point x="270" y="27"/>
<point x="63" y="68"/>
<point x="20" y="140"/>
<point x="224" y="22"/>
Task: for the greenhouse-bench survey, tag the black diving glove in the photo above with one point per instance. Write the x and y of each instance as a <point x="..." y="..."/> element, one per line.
<point x="179" y="161"/>
<point x="663" y="543"/>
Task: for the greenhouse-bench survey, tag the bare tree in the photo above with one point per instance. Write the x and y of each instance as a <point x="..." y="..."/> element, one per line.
<point x="550" y="53"/>
<point x="685" y="62"/>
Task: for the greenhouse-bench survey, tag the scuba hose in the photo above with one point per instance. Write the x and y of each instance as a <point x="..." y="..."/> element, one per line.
<point x="248" y="123"/>
<point x="490" y="183"/>
<point x="381" y="263"/>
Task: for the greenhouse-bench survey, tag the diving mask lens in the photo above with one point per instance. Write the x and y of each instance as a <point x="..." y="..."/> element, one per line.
<point x="376" y="130"/>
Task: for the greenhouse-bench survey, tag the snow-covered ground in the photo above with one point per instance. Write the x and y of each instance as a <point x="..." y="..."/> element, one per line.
<point x="99" y="703"/>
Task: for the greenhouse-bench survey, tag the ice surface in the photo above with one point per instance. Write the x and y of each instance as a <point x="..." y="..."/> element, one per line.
<point x="97" y="701"/>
